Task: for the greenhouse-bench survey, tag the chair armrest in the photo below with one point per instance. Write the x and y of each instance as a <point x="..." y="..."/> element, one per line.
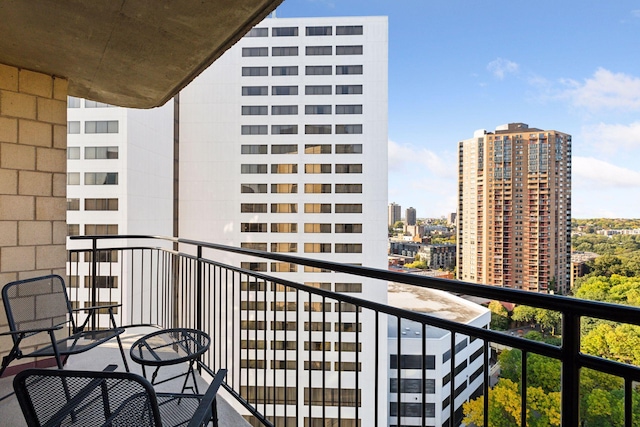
<point x="30" y="331"/>
<point x="96" y="307"/>
<point x="203" y="413"/>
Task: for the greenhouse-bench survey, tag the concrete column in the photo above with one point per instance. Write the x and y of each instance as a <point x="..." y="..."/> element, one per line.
<point x="33" y="169"/>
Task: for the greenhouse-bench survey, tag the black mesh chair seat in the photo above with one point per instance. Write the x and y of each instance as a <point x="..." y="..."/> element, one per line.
<point x="90" y="399"/>
<point x="40" y="306"/>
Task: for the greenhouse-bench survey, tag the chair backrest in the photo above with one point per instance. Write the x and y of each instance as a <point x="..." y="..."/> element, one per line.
<point x="86" y="398"/>
<point x="40" y="302"/>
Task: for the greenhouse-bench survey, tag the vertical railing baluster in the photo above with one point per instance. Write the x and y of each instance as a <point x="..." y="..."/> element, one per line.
<point x="523" y="387"/>
<point x="485" y="386"/>
<point x="570" y="375"/>
<point x="94" y="279"/>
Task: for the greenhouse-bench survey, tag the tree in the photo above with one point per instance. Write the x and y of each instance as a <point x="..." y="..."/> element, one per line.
<point x="525" y="314"/>
<point x="398" y="224"/>
<point x="499" y="316"/>
<point x="547" y="319"/>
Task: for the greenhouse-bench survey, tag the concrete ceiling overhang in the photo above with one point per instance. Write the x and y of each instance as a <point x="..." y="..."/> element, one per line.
<point x="131" y="53"/>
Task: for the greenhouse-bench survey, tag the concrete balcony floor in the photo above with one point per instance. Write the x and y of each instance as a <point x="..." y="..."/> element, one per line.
<point x="97" y="359"/>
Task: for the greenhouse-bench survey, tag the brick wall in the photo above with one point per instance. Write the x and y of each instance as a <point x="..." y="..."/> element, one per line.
<point x="33" y="166"/>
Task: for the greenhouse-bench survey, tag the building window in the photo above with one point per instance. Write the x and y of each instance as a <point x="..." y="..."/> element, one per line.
<point x="317" y="129"/>
<point x="285" y="51"/>
<point x="284" y="129"/>
<point x="253" y="208"/>
<point x="318" y="285"/>
<point x="350" y="129"/>
<point x="348" y="228"/>
<point x="348" y="208"/>
<point x="284" y="188"/>
<point x="253" y="168"/>
<point x="317" y="90"/>
<point x="253" y="188"/>
<point x="73" y="229"/>
<point x="332" y="396"/>
<point x="349" y="287"/>
<point x="283" y="267"/>
<point x="253" y="227"/>
<point x="318" y="228"/>
<point x="253" y="130"/>
<point x="284" y="227"/>
<point x="317" y="168"/>
<point x="317" y="188"/>
<point x="254" y="90"/>
<point x="348" y="188"/>
<point x="100" y="229"/>
<point x="318" y="109"/>
<point x="348" y="109"/>
<point x="104" y="126"/>
<point x="73" y="153"/>
<point x="284" y="110"/>
<point x="73" y="178"/>
<point x="284" y="247"/>
<point x="284" y="71"/>
<point x="318" y="70"/>
<point x="255" y="51"/>
<point x="255" y="71"/>
<point x="254" y="110"/>
<point x="348" y="248"/>
<point x="101" y="178"/>
<point x="284" y="149"/>
<point x="349" y="168"/>
<point x="412" y="409"/>
<point x="316" y="247"/>
<point x="254" y="245"/>
<point x="319" y="50"/>
<point x="349" y="50"/>
<point x="101" y="204"/>
<point x="253" y="149"/>
<point x="349" y="30"/>
<point x="73" y="204"/>
<point x="73" y="127"/>
<point x="319" y="31"/>
<point x="413" y="361"/>
<point x="258" y="32"/>
<point x="284" y="31"/>
<point x="284" y="208"/>
<point x="317" y="149"/>
<point x="102" y="282"/>
<point x="96" y="104"/>
<point x="348" y="89"/>
<point x="284" y="168"/>
<point x="254" y="266"/>
<point x="101" y="152"/>
<point x="73" y="102"/>
<point x="348" y="69"/>
<point x="317" y="208"/>
<point x="348" y="148"/>
<point x="284" y="90"/>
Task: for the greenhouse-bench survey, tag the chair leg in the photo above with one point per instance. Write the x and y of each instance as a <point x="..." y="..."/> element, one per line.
<point x="124" y="359"/>
<point x="6" y="360"/>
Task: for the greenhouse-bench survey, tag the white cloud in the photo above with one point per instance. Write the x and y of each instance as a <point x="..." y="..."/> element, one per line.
<point x="590" y="172"/>
<point x="501" y="67"/>
<point x="405" y="156"/>
<point x="605" y="90"/>
<point x="613" y="138"/>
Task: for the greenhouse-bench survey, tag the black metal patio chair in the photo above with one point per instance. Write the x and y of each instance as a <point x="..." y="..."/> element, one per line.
<point x="41" y="306"/>
<point x="50" y="397"/>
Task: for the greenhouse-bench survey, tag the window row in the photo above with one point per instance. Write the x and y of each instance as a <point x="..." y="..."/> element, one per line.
<point x="293" y="345"/>
<point x="93" y="229"/>
<point x="308" y="149"/>
<point x="310" y="70"/>
<point x="311" y="168"/>
<point x="73" y="102"/>
<point x="308" y="227"/>
<point x="308" y="326"/>
<point x="90" y="153"/>
<point x="308" y="129"/>
<point x="293" y="90"/>
<point x="94" y="126"/>
<point x="93" y="178"/>
<point x="286" y="110"/>
<point x="256" y="285"/>
<point x="293" y="51"/>
<point x="310" y="188"/>
<point x="93" y="204"/>
<point x="325" y="30"/>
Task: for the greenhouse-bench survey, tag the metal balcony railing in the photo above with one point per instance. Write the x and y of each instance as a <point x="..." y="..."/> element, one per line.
<point x="307" y="354"/>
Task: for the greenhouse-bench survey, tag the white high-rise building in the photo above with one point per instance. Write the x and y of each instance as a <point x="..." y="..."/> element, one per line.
<point x="283" y="148"/>
<point x="119" y="181"/>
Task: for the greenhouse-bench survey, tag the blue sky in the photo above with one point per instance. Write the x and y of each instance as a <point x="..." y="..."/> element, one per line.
<point x="457" y="66"/>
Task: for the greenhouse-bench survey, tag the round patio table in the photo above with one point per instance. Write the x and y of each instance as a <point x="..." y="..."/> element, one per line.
<point x="170" y="347"/>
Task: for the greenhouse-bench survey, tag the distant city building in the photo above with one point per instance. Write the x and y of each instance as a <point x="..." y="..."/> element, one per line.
<point x="451" y="218"/>
<point x="579" y="266"/>
<point x="514" y="226"/>
<point x="410" y="216"/>
<point x="395" y="213"/>
<point x="442" y="256"/>
<point x="434" y="363"/>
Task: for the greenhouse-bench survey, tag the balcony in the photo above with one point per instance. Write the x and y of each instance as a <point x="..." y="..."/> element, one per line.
<point x="316" y="357"/>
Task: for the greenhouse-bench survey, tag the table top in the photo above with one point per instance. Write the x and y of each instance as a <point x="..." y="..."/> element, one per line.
<point x="170" y="346"/>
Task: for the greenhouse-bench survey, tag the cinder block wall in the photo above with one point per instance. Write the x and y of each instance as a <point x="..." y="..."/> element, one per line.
<point x="33" y="170"/>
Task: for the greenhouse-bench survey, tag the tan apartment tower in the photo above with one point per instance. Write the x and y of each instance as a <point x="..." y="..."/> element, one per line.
<point x="514" y="205"/>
